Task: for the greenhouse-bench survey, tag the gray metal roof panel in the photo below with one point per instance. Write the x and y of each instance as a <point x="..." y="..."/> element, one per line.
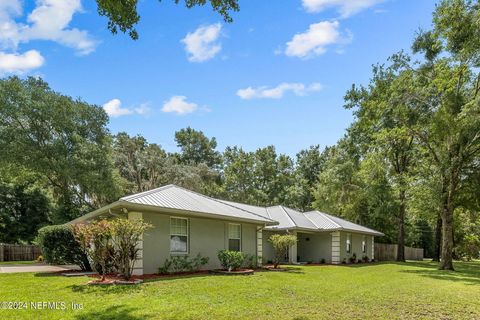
<point x="175" y="197"/>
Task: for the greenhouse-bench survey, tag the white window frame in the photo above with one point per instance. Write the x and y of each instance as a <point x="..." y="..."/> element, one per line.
<point x="240" y="239"/>
<point x="348" y="243"/>
<point x="180" y="235"/>
<point x="364" y="244"/>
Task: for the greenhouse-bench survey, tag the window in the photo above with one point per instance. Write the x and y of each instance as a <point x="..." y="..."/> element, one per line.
<point x="349" y="243"/>
<point x="364" y="244"/>
<point x="178" y="235"/>
<point x="234" y="237"/>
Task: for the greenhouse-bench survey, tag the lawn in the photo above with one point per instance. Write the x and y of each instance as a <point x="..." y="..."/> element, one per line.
<point x="16" y="262"/>
<point x="412" y="290"/>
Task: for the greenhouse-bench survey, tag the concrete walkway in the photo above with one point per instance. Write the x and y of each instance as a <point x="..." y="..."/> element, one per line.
<point x="36" y="267"/>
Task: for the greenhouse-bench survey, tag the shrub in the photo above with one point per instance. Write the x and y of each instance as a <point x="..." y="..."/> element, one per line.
<point x="40" y="259"/>
<point x="183" y="264"/>
<point x="58" y="246"/>
<point x="281" y="243"/>
<point x="250" y="261"/>
<point x="95" y="239"/>
<point x="365" y="259"/>
<point x="353" y="258"/>
<point x="322" y="261"/>
<point x="125" y="236"/>
<point x="231" y="260"/>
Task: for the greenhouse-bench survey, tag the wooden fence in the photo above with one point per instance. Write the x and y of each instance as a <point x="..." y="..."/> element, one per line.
<point x="18" y="252"/>
<point x="388" y="252"/>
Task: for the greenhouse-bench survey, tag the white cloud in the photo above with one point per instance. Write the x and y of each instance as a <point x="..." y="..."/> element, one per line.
<point x="201" y="45"/>
<point x="346" y="8"/>
<point x="315" y="40"/>
<point x="48" y="21"/>
<point x="179" y="105"/>
<point x="114" y="108"/>
<point x="20" y="63"/>
<point x="143" y="109"/>
<point x="299" y="89"/>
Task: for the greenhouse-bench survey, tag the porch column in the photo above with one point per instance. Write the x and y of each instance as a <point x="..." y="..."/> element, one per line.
<point x="259" y="246"/>
<point x="335" y="247"/>
<point x="138" y="266"/>
<point x="373" y="248"/>
<point x="292" y="251"/>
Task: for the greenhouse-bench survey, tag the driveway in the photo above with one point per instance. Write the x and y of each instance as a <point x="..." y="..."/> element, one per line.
<point x="36" y="267"/>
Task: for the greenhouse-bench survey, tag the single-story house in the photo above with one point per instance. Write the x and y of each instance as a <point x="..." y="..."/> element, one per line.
<point x="188" y="223"/>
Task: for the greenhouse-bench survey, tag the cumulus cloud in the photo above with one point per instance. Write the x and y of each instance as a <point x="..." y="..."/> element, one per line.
<point x="299" y="89"/>
<point x="114" y="108"/>
<point x="346" y="8"/>
<point x="179" y="105"/>
<point x="202" y="44"/>
<point x="20" y="63"/>
<point x="49" y="20"/>
<point x="315" y="40"/>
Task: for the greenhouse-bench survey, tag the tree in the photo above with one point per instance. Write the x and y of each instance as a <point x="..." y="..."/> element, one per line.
<point x="196" y="148"/>
<point x="281" y="243"/>
<point x="380" y="127"/>
<point x="308" y="165"/>
<point x="141" y="163"/>
<point x="443" y="94"/>
<point x="259" y="178"/>
<point x="123" y="15"/>
<point x="62" y="140"/>
<point x="22" y="212"/>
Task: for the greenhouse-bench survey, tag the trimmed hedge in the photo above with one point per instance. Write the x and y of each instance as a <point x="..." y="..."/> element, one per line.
<point x="60" y="247"/>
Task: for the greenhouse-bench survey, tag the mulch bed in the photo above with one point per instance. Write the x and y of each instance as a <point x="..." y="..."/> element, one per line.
<point x="271" y="268"/>
<point x="231" y="273"/>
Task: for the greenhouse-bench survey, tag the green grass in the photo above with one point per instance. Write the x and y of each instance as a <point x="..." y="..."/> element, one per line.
<point x="413" y="290"/>
<point x="16" y="262"/>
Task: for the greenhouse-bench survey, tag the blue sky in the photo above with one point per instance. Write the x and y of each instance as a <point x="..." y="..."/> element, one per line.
<point x="276" y="75"/>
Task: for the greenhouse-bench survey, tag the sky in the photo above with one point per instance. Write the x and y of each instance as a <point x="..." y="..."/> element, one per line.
<point x="276" y="75"/>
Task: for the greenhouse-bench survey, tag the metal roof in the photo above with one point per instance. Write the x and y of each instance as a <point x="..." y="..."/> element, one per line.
<point x="174" y="197"/>
<point x="275" y="217"/>
<point x="290" y="219"/>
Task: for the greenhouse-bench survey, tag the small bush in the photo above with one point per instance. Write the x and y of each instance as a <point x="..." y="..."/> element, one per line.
<point x="353" y="258"/>
<point x="322" y="261"/>
<point x="365" y="259"/>
<point x="281" y="243"/>
<point x="183" y="264"/>
<point x="231" y="260"/>
<point x="40" y="259"/>
<point x="251" y="261"/>
<point x="59" y="246"/>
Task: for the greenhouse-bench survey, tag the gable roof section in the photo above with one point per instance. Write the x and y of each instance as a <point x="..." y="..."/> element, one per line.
<point x="174" y="197"/>
<point x="290" y="219"/>
<point x="329" y="222"/>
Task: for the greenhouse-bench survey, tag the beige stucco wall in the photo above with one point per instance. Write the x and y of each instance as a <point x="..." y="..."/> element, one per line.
<point x="356" y="246"/>
<point x="320" y="246"/>
<point x="206" y="236"/>
<point x="317" y="247"/>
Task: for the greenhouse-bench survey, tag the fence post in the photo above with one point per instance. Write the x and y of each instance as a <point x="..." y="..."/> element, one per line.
<point x="1" y="252"/>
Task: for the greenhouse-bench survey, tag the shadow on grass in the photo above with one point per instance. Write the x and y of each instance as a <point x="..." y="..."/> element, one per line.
<point x="111" y="313"/>
<point x="466" y="272"/>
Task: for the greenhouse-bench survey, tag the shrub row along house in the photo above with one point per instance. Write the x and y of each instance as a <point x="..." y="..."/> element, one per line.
<point x="188" y="223"/>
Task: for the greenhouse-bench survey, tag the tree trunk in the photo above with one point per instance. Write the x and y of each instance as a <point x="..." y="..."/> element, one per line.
<point x="401" y="227"/>
<point x="446" y="259"/>
<point x="438" y="238"/>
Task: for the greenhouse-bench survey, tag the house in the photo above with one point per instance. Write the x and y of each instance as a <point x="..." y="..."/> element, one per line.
<point x="320" y="236"/>
<point x="188" y="223"/>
